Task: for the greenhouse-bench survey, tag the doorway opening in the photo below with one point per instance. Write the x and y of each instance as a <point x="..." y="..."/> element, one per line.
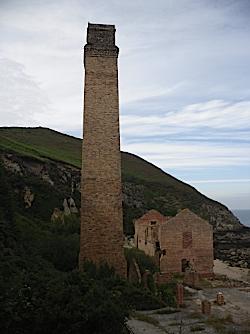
<point x="185" y="265"/>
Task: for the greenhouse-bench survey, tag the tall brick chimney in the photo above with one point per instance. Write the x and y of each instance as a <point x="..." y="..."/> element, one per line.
<point x="101" y="202"/>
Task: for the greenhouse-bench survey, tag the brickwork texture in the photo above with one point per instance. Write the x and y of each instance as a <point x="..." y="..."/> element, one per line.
<point x="101" y="202"/>
<point x="147" y="231"/>
<point x="183" y="243"/>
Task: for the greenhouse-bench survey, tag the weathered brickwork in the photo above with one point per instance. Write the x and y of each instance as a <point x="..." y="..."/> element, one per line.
<point x="147" y="231"/>
<point x="179" y="295"/>
<point x="183" y="243"/>
<point x="101" y="203"/>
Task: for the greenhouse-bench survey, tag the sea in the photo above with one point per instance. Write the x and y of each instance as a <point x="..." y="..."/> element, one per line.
<point x="243" y="215"/>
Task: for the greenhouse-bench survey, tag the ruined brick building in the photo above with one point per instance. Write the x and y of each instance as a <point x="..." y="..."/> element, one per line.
<point x="101" y="201"/>
<point x="183" y="243"/>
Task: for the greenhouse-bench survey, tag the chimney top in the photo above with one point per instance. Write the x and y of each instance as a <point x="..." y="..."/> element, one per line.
<point x="101" y="35"/>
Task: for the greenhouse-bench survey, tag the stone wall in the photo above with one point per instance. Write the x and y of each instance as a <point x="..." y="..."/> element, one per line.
<point x="147" y="231"/>
<point x="187" y="241"/>
<point x="183" y="243"/>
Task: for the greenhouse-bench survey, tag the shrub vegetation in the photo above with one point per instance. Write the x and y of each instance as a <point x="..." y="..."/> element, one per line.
<point x="41" y="289"/>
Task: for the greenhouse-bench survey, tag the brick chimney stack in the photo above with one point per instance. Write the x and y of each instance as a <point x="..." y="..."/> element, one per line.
<point x="101" y="192"/>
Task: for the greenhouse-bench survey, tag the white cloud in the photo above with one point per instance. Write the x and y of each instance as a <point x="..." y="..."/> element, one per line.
<point x="219" y="181"/>
<point x="183" y="72"/>
<point x="196" y="121"/>
<point x="191" y="155"/>
<point x="21" y="98"/>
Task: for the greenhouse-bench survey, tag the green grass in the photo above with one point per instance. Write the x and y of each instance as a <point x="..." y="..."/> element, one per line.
<point x="49" y="144"/>
<point x="155" y="188"/>
<point x="42" y="143"/>
<point x="12" y="145"/>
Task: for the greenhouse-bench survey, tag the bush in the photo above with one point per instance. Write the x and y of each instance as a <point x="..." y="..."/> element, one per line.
<point x="140" y="299"/>
<point x="134" y="296"/>
<point x="145" y="262"/>
<point x="43" y="300"/>
<point x="41" y="290"/>
<point x="167" y="293"/>
<point x="60" y="249"/>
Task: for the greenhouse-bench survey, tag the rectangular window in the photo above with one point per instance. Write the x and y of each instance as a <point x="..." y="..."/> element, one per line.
<point x="187" y="240"/>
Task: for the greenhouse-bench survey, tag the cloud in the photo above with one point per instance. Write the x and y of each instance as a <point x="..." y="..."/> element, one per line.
<point x="21" y="98"/>
<point x="210" y="134"/>
<point x="183" y="52"/>
<point x="219" y="181"/>
<point x="210" y="120"/>
<point x="183" y="75"/>
<point x="191" y="155"/>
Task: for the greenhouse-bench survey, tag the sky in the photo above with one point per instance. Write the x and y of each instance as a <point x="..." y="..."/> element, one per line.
<point x="184" y="81"/>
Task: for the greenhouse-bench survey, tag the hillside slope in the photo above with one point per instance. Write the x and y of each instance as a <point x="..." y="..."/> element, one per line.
<point x="45" y="165"/>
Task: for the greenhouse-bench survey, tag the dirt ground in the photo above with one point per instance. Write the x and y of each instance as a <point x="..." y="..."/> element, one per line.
<point x="241" y="274"/>
<point x="231" y="318"/>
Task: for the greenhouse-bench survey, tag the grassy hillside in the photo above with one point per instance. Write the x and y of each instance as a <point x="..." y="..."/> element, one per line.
<point x="145" y="186"/>
<point x="47" y="163"/>
<point x="43" y="143"/>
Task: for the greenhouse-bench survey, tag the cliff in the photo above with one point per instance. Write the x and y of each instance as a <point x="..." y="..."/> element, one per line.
<point x="43" y="169"/>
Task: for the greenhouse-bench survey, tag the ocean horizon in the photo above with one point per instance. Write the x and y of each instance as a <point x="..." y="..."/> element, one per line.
<point x="243" y="216"/>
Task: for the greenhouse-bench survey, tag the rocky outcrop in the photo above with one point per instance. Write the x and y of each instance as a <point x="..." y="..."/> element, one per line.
<point x="69" y="206"/>
<point x="221" y="218"/>
<point x="233" y="247"/>
<point x="44" y="189"/>
<point x="133" y="195"/>
<point x="11" y="164"/>
<point x="57" y="216"/>
<point x="50" y="189"/>
<point x="28" y="197"/>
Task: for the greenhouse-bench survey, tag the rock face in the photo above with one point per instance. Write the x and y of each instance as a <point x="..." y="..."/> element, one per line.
<point x="46" y="190"/>
<point x="232" y="239"/>
<point x="28" y="197"/>
<point x="69" y="208"/>
<point x="233" y="247"/>
<point x="221" y="219"/>
<point x="57" y="215"/>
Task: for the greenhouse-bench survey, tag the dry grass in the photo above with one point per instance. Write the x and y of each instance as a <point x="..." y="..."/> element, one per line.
<point x="145" y="318"/>
<point x="166" y="311"/>
<point x="195" y="315"/>
<point x="197" y="328"/>
<point x="221" y="324"/>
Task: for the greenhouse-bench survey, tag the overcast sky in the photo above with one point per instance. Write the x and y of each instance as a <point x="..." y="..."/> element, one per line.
<point x="184" y="72"/>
